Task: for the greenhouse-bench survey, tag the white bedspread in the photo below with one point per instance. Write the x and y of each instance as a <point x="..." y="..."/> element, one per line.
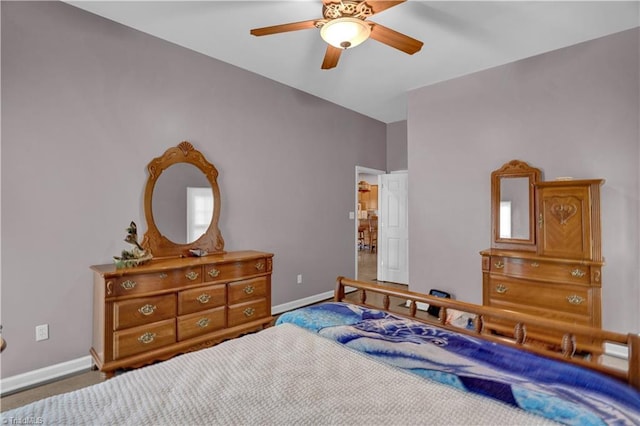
<point x="283" y="375"/>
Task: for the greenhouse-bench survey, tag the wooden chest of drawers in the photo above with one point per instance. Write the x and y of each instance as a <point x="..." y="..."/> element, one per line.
<point x="561" y="289"/>
<point x="172" y="306"/>
<point x="546" y="253"/>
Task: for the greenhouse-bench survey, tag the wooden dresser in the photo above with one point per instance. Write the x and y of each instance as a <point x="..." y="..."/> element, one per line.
<point x="176" y="305"/>
<point x="557" y="288"/>
<point x="559" y="277"/>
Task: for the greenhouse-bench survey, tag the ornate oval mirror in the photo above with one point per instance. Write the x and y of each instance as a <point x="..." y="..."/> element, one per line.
<point x="513" y="206"/>
<point x="182" y="204"/>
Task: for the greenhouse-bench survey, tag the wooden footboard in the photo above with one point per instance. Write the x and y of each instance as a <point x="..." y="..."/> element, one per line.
<point x="393" y="300"/>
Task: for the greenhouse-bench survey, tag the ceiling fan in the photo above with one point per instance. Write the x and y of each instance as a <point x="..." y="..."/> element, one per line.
<point x="345" y="25"/>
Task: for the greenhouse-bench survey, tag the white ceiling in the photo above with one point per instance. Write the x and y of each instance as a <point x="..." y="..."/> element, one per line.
<point x="460" y="37"/>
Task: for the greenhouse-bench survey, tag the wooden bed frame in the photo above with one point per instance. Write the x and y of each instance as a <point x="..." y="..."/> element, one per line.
<point x="380" y="297"/>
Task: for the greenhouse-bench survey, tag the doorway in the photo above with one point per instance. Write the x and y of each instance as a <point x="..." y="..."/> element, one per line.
<point x="366" y="211"/>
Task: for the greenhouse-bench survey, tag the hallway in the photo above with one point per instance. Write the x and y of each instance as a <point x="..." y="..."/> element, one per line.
<point x="368" y="269"/>
<point x="367" y="265"/>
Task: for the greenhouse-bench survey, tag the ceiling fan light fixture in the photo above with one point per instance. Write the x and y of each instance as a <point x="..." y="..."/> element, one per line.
<point x="345" y="33"/>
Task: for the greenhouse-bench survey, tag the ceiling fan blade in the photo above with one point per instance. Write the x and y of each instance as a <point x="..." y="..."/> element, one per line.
<point x="395" y="39"/>
<point x="331" y="57"/>
<point x="283" y="28"/>
<point x="379" y="6"/>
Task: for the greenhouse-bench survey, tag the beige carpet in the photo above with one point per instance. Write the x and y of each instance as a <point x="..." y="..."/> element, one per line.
<point x="60" y="386"/>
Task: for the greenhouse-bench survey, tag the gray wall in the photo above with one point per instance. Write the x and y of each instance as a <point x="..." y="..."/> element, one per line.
<point x="87" y="103"/>
<point x="397" y="146"/>
<point x="570" y="112"/>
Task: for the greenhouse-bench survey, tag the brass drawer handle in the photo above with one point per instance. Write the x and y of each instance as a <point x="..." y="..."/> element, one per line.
<point x="147" y="338"/>
<point x="147" y="309"/>
<point x="204" y="298"/>
<point x="577" y="273"/>
<point x="501" y="289"/>
<point x="214" y="273"/>
<point x="163" y="275"/>
<point x="574" y="299"/>
<point x="260" y="266"/>
<point x="128" y="285"/>
<point x="499" y="264"/>
<point x="192" y="276"/>
<point x="535" y="265"/>
<point x="249" y="312"/>
<point x="248" y="289"/>
<point x="203" y="322"/>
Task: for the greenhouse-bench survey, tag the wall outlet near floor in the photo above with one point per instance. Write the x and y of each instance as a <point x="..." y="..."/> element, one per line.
<point x="299" y="278"/>
<point x="42" y="332"/>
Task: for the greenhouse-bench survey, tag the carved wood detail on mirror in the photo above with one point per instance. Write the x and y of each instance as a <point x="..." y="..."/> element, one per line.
<point x="156" y="239"/>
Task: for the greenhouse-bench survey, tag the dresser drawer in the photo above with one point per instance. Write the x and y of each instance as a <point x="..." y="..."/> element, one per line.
<point x="132" y="312"/>
<point x="144" y="338"/>
<point x="537" y="269"/>
<point x="247" y="290"/>
<point x="151" y="282"/>
<point x="235" y="270"/>
<point x="246" y="312"/>
<point x="201" y="298"/>
<point x="527" y="295"/>
<point x="201" y="323"/>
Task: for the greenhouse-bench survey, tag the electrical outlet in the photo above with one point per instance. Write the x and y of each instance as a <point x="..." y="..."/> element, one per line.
<point x="299" y="278"/>
<point x="42" y="332"/>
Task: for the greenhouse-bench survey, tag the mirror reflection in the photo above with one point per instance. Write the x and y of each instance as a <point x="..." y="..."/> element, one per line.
<point x="514" y="207"/>
<point x="182" y="203"/>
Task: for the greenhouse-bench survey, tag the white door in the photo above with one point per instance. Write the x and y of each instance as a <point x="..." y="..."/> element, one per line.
<point x="393" y="228"/>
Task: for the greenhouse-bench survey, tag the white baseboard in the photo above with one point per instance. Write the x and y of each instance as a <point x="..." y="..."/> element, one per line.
<point x="307" y="301"/>
<point x="42" y="375"/>
<point x="301" y="302"/>
<point x="617" y="351"/>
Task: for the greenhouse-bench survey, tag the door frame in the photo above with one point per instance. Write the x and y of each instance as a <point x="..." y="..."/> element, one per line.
<point x="359" y="170"/>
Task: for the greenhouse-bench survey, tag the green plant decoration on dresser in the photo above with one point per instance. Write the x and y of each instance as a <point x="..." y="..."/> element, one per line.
<point x="137" y="255"/>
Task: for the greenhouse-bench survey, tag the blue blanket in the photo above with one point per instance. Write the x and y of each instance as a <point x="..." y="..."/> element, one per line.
<point x="558" y="391"/>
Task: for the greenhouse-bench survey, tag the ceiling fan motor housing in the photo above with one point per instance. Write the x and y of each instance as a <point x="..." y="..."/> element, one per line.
<point x="352" y="8"/>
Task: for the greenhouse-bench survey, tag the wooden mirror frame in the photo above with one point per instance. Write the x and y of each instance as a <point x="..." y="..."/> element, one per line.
<point x="513" y="169"/>
<point x="158" y="244"/>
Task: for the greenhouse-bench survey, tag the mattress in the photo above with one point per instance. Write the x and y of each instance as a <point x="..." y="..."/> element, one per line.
<point x="284" y="375"/>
